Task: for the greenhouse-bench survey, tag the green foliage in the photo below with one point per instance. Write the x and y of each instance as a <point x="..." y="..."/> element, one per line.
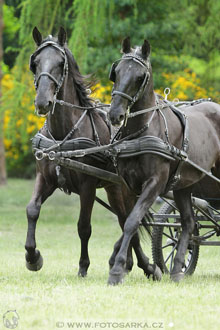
<point x="11" y="22"/>
<point x="11" y="28"/>
<point x="89" y="25"/>
<point x="47" y="15"/>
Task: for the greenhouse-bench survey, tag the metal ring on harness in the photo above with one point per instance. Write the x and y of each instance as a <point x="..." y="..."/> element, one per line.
<point x="39" y="155"/>
<point x="166" y="92"/>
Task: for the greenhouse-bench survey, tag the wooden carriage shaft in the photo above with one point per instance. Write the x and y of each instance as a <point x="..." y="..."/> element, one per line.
<point x="90" y="170"/>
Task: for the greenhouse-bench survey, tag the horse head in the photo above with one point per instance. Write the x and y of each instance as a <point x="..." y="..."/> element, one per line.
<point x="131" y="75"/>
<point x="49" y="65"/>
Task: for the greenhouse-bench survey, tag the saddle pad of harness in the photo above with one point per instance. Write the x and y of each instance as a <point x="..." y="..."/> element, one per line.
<point x="145" y="144"/>
<point x="41" y="142"/>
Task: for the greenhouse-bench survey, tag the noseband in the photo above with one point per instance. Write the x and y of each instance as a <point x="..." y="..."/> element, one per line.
<point x="44" y="73"/>
<point x="142" y="62"/>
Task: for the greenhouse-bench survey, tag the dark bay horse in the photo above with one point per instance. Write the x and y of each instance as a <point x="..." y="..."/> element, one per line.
<point x="148" y="174"/>
<point x="57" y="75"/>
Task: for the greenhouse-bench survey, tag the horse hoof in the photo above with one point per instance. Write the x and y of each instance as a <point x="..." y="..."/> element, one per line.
<point x="127" y="271"/>
<point x="110" y="265"/>
<point x="154" y="271"/>
<point x="157" y="275"/>
<point x="128" y="268"/>
<point x="37" y="264"/>
<point x="82" y="273"/>
<point x="177" y="277"/>
<point x="115" y="279"/>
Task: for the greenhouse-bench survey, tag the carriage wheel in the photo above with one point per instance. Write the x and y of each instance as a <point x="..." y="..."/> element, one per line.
<point x="165" y="240"/>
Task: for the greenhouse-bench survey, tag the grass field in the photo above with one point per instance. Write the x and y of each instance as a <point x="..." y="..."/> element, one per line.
<point x="56" y="298"/>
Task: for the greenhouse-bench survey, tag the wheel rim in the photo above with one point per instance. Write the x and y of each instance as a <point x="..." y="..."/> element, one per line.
<point x="165" y="242"/>
<point x="169" y="249"/>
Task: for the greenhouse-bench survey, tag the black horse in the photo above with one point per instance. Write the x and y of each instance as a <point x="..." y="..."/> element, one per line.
<point x="149" y="175"/>
<point x="57" y="76"/>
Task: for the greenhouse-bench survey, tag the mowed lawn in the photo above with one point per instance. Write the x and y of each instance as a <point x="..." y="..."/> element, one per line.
<point x="56" y="298"/>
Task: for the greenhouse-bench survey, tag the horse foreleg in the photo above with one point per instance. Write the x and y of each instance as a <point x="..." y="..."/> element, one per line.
<point x="87" y="197"/>
<point x="150" y="192"/>
<point x="183" y="201"/>
<point x="42" y="191"/>
<point x="117" y="202"/>
<point x="143" y="261"/>
<point x="115" y="251"/>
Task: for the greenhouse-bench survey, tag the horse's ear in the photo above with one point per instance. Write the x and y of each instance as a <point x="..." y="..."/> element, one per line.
<point x="145" y="49"/>
<point x="62" y="36"/>
<point x="126" y="45"/>
<point x="37" y="36"/>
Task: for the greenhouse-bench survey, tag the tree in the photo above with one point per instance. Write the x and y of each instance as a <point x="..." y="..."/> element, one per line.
<point x="2" y="151"/>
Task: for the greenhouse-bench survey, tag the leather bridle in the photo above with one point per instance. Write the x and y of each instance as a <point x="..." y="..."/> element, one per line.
<point x="44" y="73"/>
<point x="142" y="62"/>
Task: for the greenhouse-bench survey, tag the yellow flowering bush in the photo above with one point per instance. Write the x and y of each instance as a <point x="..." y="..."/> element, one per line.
<point x="102" y="93"/>
<point x="186" y="86"/>
<point x="19" y="122"/>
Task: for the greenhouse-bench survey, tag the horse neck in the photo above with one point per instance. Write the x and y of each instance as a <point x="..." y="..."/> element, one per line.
<point x="64" y="118"/>
<point x="158" y="124"/>
<point x="147" y="100"/>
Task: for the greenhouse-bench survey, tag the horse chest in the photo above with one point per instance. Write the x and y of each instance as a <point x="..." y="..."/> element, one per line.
<point x="132" y="171"/>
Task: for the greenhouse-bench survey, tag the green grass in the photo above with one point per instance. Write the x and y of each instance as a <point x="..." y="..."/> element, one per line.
<point x="56" y="294"/>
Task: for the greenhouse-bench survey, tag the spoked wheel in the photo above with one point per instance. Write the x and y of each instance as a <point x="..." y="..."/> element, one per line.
<point x="165" y="241"/>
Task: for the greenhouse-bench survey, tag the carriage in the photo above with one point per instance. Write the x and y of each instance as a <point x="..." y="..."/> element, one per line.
<point x="167" y="228"/>
<point x="170" y="152"/>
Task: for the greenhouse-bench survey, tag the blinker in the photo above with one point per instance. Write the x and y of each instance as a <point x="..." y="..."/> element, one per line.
<point x="112" y="75"/>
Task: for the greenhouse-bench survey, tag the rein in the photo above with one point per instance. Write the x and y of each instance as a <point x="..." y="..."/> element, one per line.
<point x="71" y="105"/>
<point x="57" y="145"/>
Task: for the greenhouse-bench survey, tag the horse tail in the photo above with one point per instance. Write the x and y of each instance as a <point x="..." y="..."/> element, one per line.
<point x="145" y="229"/>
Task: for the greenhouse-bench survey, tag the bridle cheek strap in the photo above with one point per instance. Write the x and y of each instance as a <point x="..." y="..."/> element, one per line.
<point x="141" y="90"/>
<point x="137" y="95"/>
<point x="143" y="63"/>
<point x="65" y="70"/>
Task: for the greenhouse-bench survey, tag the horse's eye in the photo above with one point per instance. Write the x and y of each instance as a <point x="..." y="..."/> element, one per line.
<point x="33" y="67"/>
<point x="61" y="64"/>
<point x="141" y="77"/>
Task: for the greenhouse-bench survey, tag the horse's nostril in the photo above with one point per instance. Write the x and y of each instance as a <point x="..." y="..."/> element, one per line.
<point x="50" y="103"/>
<point x="121" y="117"/>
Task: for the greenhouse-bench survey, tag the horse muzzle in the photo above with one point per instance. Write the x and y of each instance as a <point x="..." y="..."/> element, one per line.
<point x="116" y="116"/>
<point x="43" y="108"/>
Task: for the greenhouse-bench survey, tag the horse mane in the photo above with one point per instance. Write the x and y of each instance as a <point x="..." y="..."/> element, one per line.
<point x="78" y="79"/>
